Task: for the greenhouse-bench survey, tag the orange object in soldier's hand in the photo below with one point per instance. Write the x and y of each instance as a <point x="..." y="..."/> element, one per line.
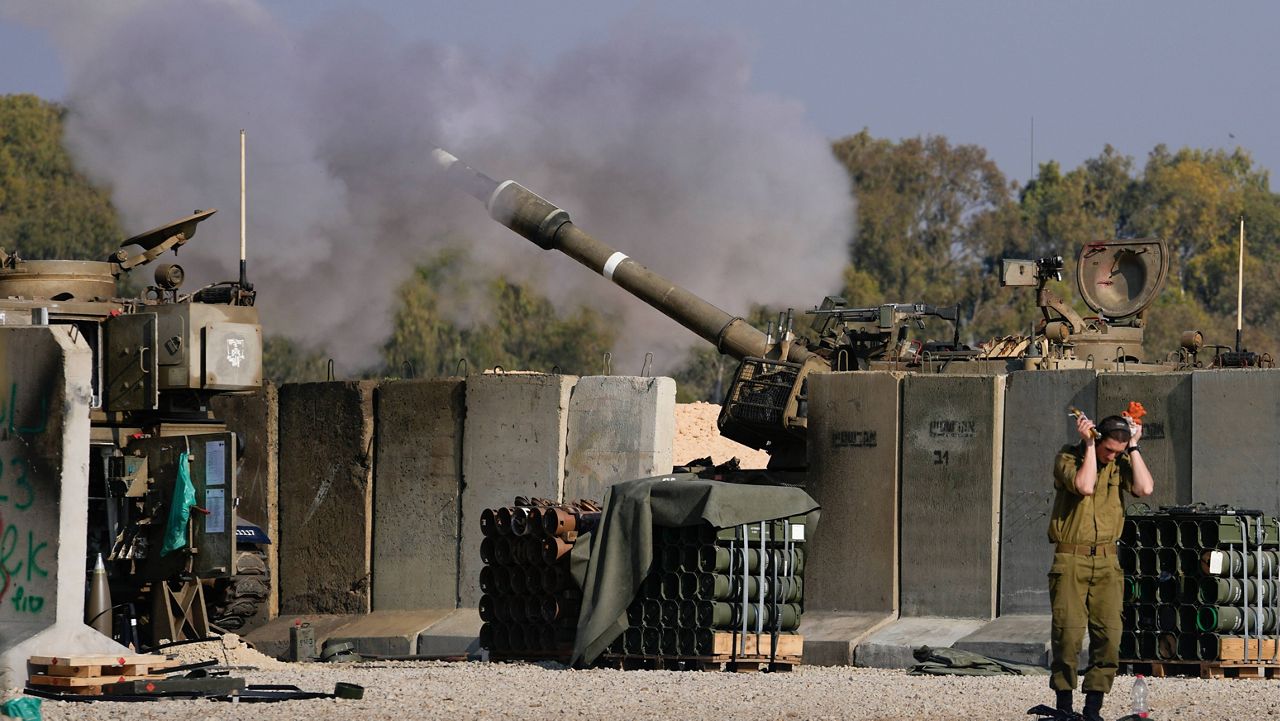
<point x="1135" y="412"/>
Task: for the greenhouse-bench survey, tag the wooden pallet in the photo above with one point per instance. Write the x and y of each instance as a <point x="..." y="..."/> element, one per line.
<point x="724" y="656"/>
<point x="1231" y="648"/>
<point x="1206" y="669"/>
<point x="87" y="675"/>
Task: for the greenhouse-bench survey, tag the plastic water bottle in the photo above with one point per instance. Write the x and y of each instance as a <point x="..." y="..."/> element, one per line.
<point x="1139" y="707"/>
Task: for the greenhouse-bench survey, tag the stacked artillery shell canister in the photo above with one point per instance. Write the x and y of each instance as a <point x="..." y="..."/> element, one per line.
<point x="720" y="592"/>
<point x="531" y="602"/>
<point x="1201" y="585"/>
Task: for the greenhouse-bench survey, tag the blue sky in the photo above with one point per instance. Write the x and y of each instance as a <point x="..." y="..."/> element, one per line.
<point x="1132" y="74"/>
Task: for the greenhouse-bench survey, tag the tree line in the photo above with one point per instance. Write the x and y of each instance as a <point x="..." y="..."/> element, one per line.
<point x="933" y="221"/>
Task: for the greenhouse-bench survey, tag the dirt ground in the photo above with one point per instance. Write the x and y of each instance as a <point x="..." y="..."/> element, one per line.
<point x="697" y="437"/>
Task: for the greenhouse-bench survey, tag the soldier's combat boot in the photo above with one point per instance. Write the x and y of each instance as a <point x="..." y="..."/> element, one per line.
<point x="1093" y="705"/>
<point x="1064" y="701"/>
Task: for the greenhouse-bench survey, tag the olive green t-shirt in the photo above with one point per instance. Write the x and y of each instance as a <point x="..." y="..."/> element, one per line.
<point x="1088" y="520"/>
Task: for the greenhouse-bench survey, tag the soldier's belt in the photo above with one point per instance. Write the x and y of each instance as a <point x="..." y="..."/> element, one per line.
<point x="1105" y="549"/>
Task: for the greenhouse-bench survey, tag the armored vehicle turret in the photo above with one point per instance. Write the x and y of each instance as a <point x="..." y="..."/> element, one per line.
<point x="158" y="361"/>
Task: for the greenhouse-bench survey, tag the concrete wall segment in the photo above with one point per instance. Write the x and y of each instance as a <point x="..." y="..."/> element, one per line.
<point x="417" y="493"/>
<point x="514" y="444"/>
<point x="326" y="496"/>
<point x="45" y="395"/>
<point x="1036" y="426"/>
<point x="1235" y="426"/>
<point x="853" y="447"/>
<point x="619" y="428"/>
<point x="952" y="427"/>
<point x="1167" y="438"/>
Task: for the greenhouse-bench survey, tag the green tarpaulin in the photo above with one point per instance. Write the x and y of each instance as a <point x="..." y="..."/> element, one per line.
<point x="954" y="662"/>
<point x="184" y="497"/>
<point x="611" y="562"/>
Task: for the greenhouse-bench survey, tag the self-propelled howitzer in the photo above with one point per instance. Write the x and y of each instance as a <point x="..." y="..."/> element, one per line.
<point x="765" y="405"/>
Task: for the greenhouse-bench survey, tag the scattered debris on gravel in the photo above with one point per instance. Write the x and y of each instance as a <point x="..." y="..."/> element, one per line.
<point x="397" y="691"/>
<point x="230" y="650"/>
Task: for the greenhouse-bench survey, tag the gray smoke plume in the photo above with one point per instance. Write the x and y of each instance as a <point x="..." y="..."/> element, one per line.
<point x="651" y="137"/>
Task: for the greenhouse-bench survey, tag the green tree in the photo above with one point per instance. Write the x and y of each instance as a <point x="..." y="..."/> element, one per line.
<point x="513" y="326"/>
<point x="287" y="361"/>
<point x="933" y="220"/>
<point x="48" y="209"/>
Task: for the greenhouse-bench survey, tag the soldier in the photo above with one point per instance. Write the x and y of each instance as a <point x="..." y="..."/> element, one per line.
<point x="1085" y="581"/>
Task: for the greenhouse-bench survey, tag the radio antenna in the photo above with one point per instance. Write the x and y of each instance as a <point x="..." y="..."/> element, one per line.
<point x="244" y="280"/>
<point x="1239" y="291"/>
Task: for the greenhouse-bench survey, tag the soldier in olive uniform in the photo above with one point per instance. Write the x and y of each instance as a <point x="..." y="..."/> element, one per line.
<point x="1085" y="582"/>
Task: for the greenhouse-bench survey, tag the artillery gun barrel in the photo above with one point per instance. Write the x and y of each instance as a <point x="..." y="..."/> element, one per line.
<point x="550" y="228"/>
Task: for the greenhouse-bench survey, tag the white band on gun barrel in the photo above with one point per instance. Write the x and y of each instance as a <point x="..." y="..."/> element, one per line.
<point x="494" y="196"/>
<point x="612" y="264"/>
<point x="443" y="158"/>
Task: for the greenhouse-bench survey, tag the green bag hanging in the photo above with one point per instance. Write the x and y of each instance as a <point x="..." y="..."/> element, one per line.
<point x="184" y="497"/>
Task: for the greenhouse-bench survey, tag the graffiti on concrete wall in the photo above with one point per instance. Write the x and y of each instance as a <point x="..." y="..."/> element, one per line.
<point x="29" y="462"/>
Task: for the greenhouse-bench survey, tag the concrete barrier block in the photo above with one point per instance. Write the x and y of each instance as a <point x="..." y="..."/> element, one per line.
<point x="952" y="427"/>
<point x="513" y="444"/>
<point x="892" y="646"/>
<point x="853" y="447"/>
<point x="45" y="394"/>
<point x="326" y="497"/>
<point x="417" y="493"/>
<point x="1036" y="426"/>
<point x="1235" y="428"/>
<point x="1167" y="437"/>
<point x="619" y="428"/>
<point x="255" y="419"/>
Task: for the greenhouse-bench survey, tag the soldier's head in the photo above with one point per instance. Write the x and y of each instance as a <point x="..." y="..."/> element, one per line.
<point x="1115" y="438"/>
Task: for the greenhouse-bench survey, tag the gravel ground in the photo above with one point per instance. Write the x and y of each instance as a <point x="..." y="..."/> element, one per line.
<point x="427" y="690"/>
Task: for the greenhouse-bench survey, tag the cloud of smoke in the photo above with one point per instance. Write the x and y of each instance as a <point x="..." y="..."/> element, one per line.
<point x="651" y="137"/>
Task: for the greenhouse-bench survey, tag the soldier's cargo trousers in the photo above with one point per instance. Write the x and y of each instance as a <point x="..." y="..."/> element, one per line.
<point x="1086" y="592"/>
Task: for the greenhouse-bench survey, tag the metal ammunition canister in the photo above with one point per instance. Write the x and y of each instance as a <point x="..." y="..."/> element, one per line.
<point x="672" y="559"/>
<point x="635" y="613"/>
<point x="1167" y="532"/>
<point x="633" y="641"/>
<point x="1128" y="558"/>
<point x="652" y="613"/>
<point x="670" y="613"/>
<point x="1167" y="589"/>
<point x="1166" y="646"/>
<point x="1167" y="560"/>
<point x="1187" y="615"/>
<point x="1210" y="647"/>
<point x="1231" y="620"/>
<point x="1189" y="535"/>
<point x="554" y="548"/>
<point x="1189" y="561"/>
<point x="670" y="642"/>
<point x="1167" y="617"/>
<point x="1148" y="587"/>
<point x="488" y="525"/>
<point x="1148" y="561"/>
<point x="670" y="586"/>
<point x="1129" y="533"/>
<point x="652" y="638"/>
<point x="302" y="642"/>
<point x="486" y="609"/>
<point x="1148" y="645"/>
<point x="688" y="585"/>
<point x="1147" y="620"/>
<point x="1128" y="645"/>
<point x="1189" y="646"/>
<point x="1146" y="532"/>
<point x="502" y="520"/>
